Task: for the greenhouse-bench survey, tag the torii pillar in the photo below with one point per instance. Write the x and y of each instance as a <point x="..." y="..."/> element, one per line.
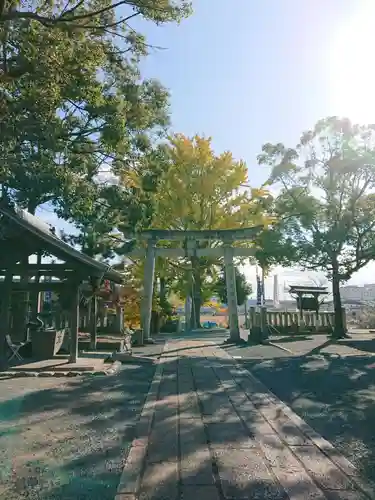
<point x="230" y="274"/>
<point x="148" y="288"/>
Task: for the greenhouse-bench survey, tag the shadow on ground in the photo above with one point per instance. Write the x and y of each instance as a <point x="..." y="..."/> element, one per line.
<point x="63" y="438"/>
<point x="69" y="439"/>
<point x="335" y="395"/>
<point x="367" y="345"/>
<point x="293" y="338"/>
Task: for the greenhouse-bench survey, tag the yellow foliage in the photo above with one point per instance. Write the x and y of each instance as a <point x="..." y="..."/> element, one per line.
<point x="130" y="179"/>
<point x="213" y="304"/>
<point x="202" y="190"/>
<point x="132" y="309"/>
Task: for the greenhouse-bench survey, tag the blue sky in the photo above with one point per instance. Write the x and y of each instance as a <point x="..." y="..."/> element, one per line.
<point x="247" y="72"/>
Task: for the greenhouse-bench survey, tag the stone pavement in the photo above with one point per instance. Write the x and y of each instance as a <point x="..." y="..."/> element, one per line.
<point x="210" y="430"/>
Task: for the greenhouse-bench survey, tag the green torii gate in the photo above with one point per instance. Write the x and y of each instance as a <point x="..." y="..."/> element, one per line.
<point x="190" y="239"/>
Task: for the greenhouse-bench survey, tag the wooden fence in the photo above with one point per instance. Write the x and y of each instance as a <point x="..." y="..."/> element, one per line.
<point x="61" y="320"/>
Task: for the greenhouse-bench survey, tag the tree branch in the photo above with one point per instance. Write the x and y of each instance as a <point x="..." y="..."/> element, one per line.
<point x="12" y="15"/>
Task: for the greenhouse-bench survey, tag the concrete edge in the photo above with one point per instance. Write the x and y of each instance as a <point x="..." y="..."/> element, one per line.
<point x="111" y="370"/>
<point x="326" y="447"/>
<point x="133" y="469"/>
<point x="280" y="347"/>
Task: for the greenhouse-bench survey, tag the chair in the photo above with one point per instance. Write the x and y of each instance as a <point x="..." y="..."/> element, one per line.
<point x="14" y="348"/>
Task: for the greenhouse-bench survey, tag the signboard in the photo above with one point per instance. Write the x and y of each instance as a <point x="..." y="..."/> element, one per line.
<point x="308" y="303"/>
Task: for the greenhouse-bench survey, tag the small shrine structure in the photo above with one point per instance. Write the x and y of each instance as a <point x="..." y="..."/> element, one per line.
<point x="23" y="236"/>
<point x="307" y="297"/>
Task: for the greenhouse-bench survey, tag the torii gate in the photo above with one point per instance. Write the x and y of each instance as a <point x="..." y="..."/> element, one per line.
<point x="190" y="238"/>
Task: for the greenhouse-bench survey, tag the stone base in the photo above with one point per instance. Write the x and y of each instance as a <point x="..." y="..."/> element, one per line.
<point x="343" y="336"/>
<point x="256" y="336"/>
<point x="137" y="338"/>
<point x="235" y="342"/>
<point x="121" y="356"/>
<point x="127" y="358"/>
<point x="149" y="341"/>
<point x="62" y="368"/>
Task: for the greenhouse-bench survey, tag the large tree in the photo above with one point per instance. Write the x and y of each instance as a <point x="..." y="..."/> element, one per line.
<point x="204" y="190"/>
<point x="96" y="18"/>
<point x="79" y="114"/>
<point x="326" y="201"/>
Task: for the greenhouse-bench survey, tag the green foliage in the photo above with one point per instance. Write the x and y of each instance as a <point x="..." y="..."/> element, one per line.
<point x="326" y="203"/>
<point x="243" y="288"/>
<point x="275" y="245"/>
<point x="75" y="114"/>
<point x="94" y="18"/>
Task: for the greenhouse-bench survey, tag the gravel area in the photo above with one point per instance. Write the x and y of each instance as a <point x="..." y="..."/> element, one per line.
<point x="331" y="386"/>
<point x="68" y="438"/>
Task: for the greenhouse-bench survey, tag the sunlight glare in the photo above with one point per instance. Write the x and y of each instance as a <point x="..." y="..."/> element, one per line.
<point x="351" y="67"/>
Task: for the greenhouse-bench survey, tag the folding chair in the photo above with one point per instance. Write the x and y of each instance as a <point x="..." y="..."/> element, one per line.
<point x="14" y="348"/>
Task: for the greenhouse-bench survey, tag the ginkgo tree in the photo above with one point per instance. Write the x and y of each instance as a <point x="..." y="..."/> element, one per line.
<point x="326" y="201"/>
<point x="204" y="190"/>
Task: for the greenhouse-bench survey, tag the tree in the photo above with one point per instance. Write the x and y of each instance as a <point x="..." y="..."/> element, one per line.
<point x="326" y="201"/>
<point x="95" y="18"/>
<point x="243" y="287"/>
<point x="202" y="190"/>
<point x="79" y="116"/>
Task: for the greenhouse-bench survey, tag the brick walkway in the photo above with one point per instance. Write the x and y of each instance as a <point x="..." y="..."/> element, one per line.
<point x="209" y="430"/>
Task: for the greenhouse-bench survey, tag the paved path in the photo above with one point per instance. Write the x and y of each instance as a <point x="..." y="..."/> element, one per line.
<point x="210" y="430"/>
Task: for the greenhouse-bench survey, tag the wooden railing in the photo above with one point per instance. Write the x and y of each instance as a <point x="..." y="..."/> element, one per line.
<point x="60" y="320"/>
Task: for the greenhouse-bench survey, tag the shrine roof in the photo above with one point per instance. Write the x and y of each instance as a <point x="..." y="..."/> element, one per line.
<point x="308" y="289"/>
<point x="16" y="222"/>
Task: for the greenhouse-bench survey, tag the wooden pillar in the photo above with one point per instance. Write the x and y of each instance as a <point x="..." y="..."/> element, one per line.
<point x="4" y="316"/>
<point x="247" y="322"/>
<point x="38" y="295"/>
<point x="300" y="307"/>
<point x="74" y="323"/>
<point x="94" y="322"/>
<point x="24" y="298"/>
<point x="119" y="326"/>
<point x="252" y="319"/>
<point x="263" y="322"/>
<point x="93" y="315"/>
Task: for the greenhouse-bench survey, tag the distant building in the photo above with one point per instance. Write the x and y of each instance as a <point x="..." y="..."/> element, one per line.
<point x="365" y="293"/>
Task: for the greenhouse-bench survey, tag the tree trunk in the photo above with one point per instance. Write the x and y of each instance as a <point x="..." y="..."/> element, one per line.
<point x="195" y="294"/>
<point x="339" y="330"/>
<point x="163" y="290"/>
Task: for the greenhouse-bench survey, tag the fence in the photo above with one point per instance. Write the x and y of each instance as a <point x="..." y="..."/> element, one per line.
<point x="292" y="321"/>
<point x="60" y="320"/>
